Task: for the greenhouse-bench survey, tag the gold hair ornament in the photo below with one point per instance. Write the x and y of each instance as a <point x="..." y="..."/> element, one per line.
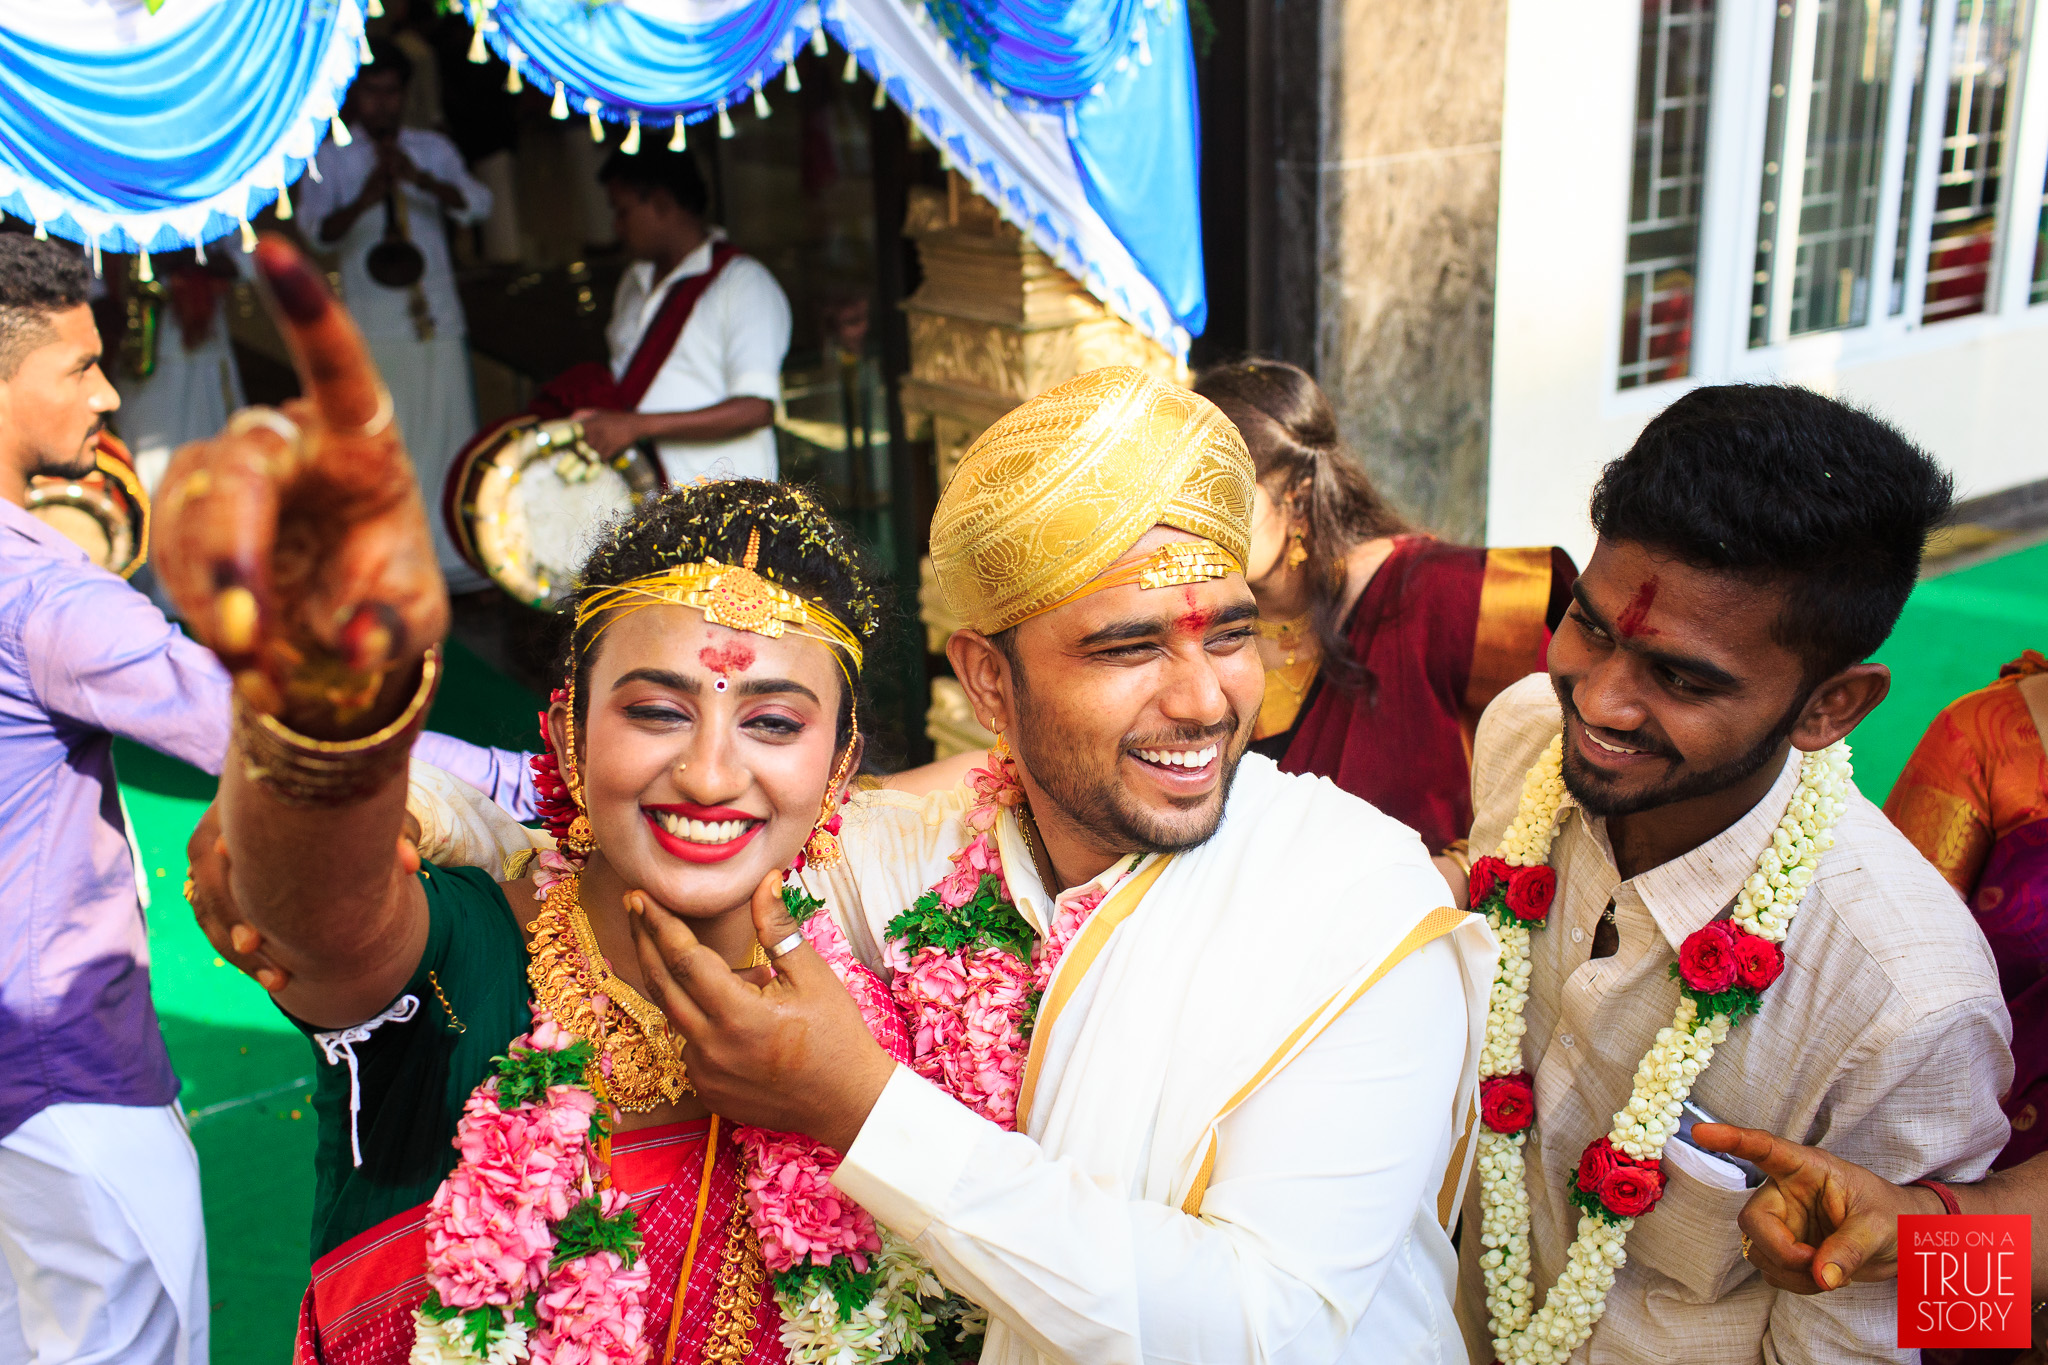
<point x="729" y="595"/>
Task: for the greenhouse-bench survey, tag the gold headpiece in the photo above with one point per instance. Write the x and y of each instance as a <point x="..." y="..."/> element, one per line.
<point x="729" y="595"/>
<point x="1062" y="487"/>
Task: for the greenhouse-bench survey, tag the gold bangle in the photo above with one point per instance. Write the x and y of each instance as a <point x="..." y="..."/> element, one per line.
<point x="302" y="771"/>
<point x="1460" y="853"/>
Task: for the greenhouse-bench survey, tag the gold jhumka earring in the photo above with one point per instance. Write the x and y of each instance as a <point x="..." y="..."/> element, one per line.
<point x="1297" y="553"/>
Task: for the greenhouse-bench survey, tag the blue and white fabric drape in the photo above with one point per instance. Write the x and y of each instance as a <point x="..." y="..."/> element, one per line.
<point x="130" y="130"/>
<point x="1076" y="119"/>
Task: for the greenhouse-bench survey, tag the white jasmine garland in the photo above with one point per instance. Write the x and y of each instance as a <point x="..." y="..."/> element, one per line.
<point x="1524" y="1335"/>
<point x="444" y="1342"/>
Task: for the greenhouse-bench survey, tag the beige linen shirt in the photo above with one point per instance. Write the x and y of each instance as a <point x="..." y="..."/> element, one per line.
<point x="1885" y="1042"/>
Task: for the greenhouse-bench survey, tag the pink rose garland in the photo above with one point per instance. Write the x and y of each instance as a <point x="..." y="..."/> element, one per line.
<point x="491" y="1230"/>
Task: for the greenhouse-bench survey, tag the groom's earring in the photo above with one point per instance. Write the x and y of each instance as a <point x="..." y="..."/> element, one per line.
<point x="1297" y="553"/>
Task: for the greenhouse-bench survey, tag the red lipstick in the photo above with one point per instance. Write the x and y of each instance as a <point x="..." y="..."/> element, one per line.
<point x="701" y="853"/>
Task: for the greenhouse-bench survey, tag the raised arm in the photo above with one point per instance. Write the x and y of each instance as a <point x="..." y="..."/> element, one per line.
<point x="297" y="545"/>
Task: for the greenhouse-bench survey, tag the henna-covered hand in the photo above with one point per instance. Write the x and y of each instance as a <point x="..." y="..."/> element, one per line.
<point x="295" y="543"/>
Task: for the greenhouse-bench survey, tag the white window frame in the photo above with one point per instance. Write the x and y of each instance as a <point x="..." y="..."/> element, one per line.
<point x="1738" y="109"/>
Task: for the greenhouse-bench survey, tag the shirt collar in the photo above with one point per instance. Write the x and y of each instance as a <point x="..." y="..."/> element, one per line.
<point x="696" y="263"/>
<point x="1691" y="891"/>
<point x="20" y="521"/>
<point x="1027" y="891"/>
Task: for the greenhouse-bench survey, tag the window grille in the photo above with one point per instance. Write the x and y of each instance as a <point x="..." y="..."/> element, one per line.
<point x="1824" y="149"/>
<point x="1674" y="64"/>
<point x="1984" y="56"/>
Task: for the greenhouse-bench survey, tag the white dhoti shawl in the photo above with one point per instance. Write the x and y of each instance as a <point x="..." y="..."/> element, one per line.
<point x="1194" y="999"/>
<point x="1200" y="979"/>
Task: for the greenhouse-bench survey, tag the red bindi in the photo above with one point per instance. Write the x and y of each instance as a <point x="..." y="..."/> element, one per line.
<point x="1195" y="620"/>
<point x="1631" y="621"/>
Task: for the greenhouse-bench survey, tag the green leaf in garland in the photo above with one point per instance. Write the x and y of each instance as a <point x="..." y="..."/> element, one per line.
<point x="985" y="921"/>
<point x="1589" y="1203"/>
<point x="851" y="1289"/>
<point x="152" y="5"/>
<point x="800" y="903"/>
<point x="585" y="1231"/>
<point x="524" y="1075"/>
<point x="1737" y="1002"/>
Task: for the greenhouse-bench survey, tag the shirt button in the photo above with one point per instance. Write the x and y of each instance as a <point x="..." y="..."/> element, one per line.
<point x="1578" y="935"/>
<point x="1567" y="1040"/>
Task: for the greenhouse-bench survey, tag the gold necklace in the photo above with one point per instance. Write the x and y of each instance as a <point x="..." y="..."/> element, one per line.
<point x="566" y="970"/>
<point x="1287" y="682"/>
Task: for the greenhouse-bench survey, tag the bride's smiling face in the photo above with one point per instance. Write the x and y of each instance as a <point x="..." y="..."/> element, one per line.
<point x="704" y="753"/>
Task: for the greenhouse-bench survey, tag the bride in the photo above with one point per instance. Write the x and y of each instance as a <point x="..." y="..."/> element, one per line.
<point x="512" y="1163"/>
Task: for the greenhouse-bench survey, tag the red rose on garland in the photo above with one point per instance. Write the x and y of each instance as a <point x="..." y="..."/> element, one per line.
<point x="1487" y="873"/>
<point x="1596" y="1163"/>
<point x="1759" y="961"/>
<point x="1530" y="891"/>
<point x="1707" y="961"/>
<point x="1632" y="1189"/>
<point x="1507" y="1103"/>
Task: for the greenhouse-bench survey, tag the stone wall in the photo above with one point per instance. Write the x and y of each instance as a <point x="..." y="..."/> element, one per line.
<point x="1409" y="196"/>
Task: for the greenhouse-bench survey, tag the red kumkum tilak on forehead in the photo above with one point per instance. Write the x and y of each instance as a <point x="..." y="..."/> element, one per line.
<point x="734" y="656"/>
<point x="1634" y="616"/>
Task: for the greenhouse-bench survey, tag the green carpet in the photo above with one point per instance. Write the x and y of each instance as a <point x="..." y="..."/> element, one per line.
<point x="246" y="1071"/>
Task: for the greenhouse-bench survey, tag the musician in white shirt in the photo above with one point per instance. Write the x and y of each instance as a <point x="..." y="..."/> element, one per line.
<point x="391" y="179"/>
<point x="710" y="407"/>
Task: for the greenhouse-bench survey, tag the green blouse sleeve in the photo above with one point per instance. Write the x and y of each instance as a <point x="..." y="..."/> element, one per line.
<point x="411" y="1068"/>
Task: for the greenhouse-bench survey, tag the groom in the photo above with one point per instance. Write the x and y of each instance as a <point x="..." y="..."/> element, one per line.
<point x="1250" y="1069"/>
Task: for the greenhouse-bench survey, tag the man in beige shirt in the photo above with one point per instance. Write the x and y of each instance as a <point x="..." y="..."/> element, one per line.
<point x="1755" y="549"/>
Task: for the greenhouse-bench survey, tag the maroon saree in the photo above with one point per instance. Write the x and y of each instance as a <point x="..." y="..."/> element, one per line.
<point x="358" y="1309"/>
<point x="1442" y="630"/>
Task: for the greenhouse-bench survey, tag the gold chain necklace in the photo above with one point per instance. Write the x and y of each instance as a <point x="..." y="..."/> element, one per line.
<point x="566" y="970"/>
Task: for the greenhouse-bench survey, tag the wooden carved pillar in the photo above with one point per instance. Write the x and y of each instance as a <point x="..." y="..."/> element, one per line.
<point x="994" y="322"/>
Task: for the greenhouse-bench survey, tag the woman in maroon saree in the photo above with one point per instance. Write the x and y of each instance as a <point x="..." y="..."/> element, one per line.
<point x="1382" y="644"/>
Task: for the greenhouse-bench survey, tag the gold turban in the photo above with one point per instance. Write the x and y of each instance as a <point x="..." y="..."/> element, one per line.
<point x="1063" y="485"/>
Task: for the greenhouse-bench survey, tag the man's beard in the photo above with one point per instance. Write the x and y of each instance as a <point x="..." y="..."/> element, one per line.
<point x="79" y="464"/>
<point x="1592" y="795"/>
<point x="1097" y="803"/>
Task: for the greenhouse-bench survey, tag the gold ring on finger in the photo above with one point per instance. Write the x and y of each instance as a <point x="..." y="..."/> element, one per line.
<point x="380" y="420"/>
<point x="194" y="485"/>
<point x="272" y="421"/>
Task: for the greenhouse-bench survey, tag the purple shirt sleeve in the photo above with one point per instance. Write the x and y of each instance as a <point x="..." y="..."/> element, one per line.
<point x="501" y="774"/>
<point x="101" y="654"/>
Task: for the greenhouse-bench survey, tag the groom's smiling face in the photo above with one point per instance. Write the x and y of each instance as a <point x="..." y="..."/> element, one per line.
<point x="1133" y="706"/>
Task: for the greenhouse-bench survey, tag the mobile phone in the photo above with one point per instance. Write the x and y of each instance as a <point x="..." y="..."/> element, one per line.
<point x="1689" y="1114"/>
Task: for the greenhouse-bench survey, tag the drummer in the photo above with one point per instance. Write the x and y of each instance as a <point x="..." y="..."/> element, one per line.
<point x="99" y="1185"/>
<point x="698" y="329"/>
